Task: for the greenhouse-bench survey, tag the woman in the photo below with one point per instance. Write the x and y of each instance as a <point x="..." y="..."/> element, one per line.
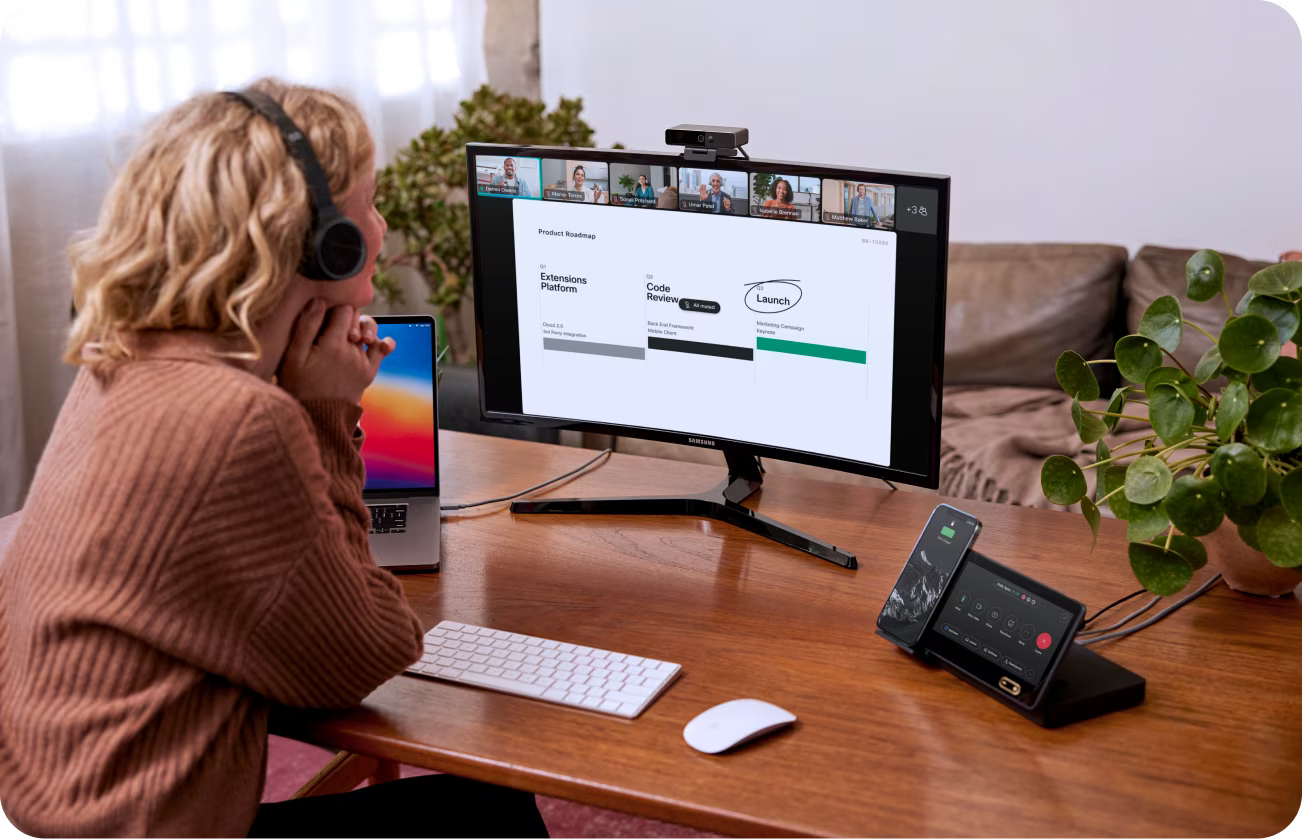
<point x="780" y="206"/>
<point x="591" y="194"/>
<point x="644" y="195"/>
<point x="194" y="545"/>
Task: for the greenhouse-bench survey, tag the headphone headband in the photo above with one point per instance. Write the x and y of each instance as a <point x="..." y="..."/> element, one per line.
<point x="335" y="248"/>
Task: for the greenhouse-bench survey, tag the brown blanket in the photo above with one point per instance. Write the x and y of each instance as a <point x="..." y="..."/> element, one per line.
<point x="994" y="440"/>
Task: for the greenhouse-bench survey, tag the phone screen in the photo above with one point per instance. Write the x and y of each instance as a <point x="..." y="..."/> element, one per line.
<point x="945" y="540"/>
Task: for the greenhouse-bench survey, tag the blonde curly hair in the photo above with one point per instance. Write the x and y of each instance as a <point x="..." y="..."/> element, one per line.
<point x="204" y="227"/>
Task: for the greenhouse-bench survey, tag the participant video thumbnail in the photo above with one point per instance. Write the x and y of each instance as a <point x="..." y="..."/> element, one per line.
<point x="513" y="177"/>
<point x="578" y="181"/>
<point x="858" y="203"/>
<point x="643" y="185"/>
<point x="713" y="191"/>
<point x="785" y="197"/>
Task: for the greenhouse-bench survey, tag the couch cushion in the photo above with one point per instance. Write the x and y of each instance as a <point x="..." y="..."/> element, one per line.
<point x="1158" y="271"/>
<point x="1013" y="308"/>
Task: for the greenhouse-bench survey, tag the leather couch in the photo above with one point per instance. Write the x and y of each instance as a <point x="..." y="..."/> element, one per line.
<point x="1011" y="310"/>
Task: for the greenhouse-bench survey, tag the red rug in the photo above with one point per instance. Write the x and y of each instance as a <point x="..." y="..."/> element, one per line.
<point x="290" y="764"/>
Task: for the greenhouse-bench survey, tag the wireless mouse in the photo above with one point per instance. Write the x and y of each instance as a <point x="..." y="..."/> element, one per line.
<point x="733" y="723"/>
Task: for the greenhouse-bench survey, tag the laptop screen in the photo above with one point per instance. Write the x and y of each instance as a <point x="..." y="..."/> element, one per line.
<point x="399" y="412"/>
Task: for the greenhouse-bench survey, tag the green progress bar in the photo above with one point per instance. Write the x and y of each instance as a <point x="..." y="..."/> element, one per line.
<point x="814" y="350"/>
<point x="947" y="532"/>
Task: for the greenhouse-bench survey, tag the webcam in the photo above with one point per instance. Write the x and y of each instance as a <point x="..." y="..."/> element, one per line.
<point x="707" y="142"/>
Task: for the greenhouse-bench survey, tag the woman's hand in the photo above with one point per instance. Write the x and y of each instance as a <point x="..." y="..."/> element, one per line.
<point x="331" y="366"/>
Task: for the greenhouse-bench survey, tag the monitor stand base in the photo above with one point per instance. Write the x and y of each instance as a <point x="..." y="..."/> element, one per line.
<point x="722" y="503"/>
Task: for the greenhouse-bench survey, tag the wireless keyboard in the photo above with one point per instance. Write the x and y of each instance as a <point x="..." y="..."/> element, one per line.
<point x="582" y="677"/>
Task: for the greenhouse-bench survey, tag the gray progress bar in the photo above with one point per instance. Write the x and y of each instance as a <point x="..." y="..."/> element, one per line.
<point x="592" y="348"/>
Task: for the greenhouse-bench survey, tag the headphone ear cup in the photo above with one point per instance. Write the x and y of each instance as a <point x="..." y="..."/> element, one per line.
<point x="339" y="250"/>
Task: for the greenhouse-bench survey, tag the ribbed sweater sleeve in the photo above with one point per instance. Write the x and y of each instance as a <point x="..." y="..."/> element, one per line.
<point x="317" y="623"/>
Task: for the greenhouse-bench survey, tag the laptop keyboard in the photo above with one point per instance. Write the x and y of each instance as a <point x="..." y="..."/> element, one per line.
<point x="388" y="518"/>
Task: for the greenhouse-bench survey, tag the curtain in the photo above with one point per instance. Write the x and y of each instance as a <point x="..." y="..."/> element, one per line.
<point x="78" y="78"/>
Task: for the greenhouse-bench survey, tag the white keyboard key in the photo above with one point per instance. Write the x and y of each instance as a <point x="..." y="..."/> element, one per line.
<point x="541" y="668"/>
<point x="505" y="685"/>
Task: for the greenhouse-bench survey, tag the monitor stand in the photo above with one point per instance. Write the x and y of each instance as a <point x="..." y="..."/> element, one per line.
<point x="722" y="503"/>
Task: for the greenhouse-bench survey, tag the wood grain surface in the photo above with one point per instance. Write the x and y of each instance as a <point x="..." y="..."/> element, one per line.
<point x="884" y="746"/>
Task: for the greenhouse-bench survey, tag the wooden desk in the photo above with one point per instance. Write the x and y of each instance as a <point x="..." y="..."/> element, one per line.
<point x="884" y="745"/>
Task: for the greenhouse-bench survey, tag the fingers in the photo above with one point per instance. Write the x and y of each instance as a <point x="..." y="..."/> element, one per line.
<point x="376" y="352"/>
<point x="370" y="331"/>
<point x="342" y="318"/>
<point x="306" y="328"/>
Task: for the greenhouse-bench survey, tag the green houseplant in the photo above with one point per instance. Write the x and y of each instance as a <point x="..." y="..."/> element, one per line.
<point x="423" y="195"/>
<point x="1211" y="459"/>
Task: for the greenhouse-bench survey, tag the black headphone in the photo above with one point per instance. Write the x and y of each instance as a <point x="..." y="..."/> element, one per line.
<point x="335" y="248"/>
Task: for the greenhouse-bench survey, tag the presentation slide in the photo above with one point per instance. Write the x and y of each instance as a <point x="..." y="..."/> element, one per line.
<point x="779" y="334"/>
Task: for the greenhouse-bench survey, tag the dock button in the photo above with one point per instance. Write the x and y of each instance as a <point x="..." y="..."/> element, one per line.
<point x="1014" y="666"/>
<point x="972" y="642"/>
<point x="951" y="629"/>
<point x="993" y="655"/>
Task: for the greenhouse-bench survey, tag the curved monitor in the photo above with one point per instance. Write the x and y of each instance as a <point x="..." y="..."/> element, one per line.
<point x="788" y="310"/>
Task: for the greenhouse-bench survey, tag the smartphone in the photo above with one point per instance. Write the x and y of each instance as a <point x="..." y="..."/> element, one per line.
<point x="1004" y="630"/>
<point x="941" y="547"/>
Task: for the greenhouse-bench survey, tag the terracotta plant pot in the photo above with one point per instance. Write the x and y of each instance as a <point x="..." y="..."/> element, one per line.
<point x="1245" y="569"/>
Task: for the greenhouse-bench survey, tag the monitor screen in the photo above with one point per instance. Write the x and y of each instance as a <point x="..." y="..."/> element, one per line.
<point x="796" y="311"/>
<point x="398" y="412"/>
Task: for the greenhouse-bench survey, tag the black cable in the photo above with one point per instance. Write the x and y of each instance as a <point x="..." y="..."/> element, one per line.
<point x="600" y="455"/>
<point x="1127" y="619"/>
<point x="1155" y="618"/>
<point x="1088" y="621"/>
<point x="889" y="484"/>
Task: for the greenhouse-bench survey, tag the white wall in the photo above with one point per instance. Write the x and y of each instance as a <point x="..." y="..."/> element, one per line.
<point x="1173" y="122"/>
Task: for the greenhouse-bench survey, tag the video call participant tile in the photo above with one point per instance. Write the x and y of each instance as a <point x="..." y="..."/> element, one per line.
<point x="713" y="191"/>
<point x="644" y="186"/>
<point x="508" y="177"/>
<point x="784" y="197"/>
<point x="859" y="204"/>
<point x="576" y="181"/>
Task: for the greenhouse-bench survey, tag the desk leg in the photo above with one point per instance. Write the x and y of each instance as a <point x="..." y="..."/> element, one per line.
<point x="345" y="772"/>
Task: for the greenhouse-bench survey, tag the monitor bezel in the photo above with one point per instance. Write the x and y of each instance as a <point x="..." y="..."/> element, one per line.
<point x="415" y="492"/>
<point x="941" y="183"/>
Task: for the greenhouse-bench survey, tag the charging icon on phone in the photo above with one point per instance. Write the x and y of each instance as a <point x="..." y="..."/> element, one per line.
<point x="947" y="532"/>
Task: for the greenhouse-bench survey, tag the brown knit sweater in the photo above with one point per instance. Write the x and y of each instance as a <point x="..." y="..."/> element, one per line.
<point x="193" y="549"/>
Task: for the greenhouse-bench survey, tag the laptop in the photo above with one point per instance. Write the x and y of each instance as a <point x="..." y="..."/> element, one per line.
<point x="400" y="418"/>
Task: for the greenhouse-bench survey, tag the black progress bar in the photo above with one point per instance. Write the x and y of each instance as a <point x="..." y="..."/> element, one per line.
<point x="699" y="348"/>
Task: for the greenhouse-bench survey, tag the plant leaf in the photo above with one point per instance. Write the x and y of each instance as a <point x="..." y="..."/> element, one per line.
<point x="1188" y="547"/>
<point x="1250" y="343"/>
<point x="1160" y="571"/>
<point x="1171" y="376"/>
<point x="1279" y="312"/>
<point x="1208" y="366"/>
<point x="1091" y="514"/>
<point x="1248" y="514"/>
<point x="1148" y="479"/>
<point x="1075" y="377"/>
<point x="1137" y="356"/>
<point x="1171" y="413"/>
<point x="1146" y="521"/>
<point x="1114" y="476"/>
<point x="1248" y="533"/>
<point x="1204" y="275"/>
<point x="1233" y="408"/>
<point x="1088" y="426"/>
<point x="1194" y="505"/>
<point x="1277" y="280"/>
<point x="1280" y="537"/>
<point x="1275" y="421"/>
<point x="1290" y="494"/>
<point x="1285" y="372"/>
<point x="1163" y="322"/>
<point x="1062" y="480"/>
<point x="1241" y="308"/>
<point x="1102" y="452"/>
<point x="1115" y="405"/>
<point x="1241" y="473"/>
